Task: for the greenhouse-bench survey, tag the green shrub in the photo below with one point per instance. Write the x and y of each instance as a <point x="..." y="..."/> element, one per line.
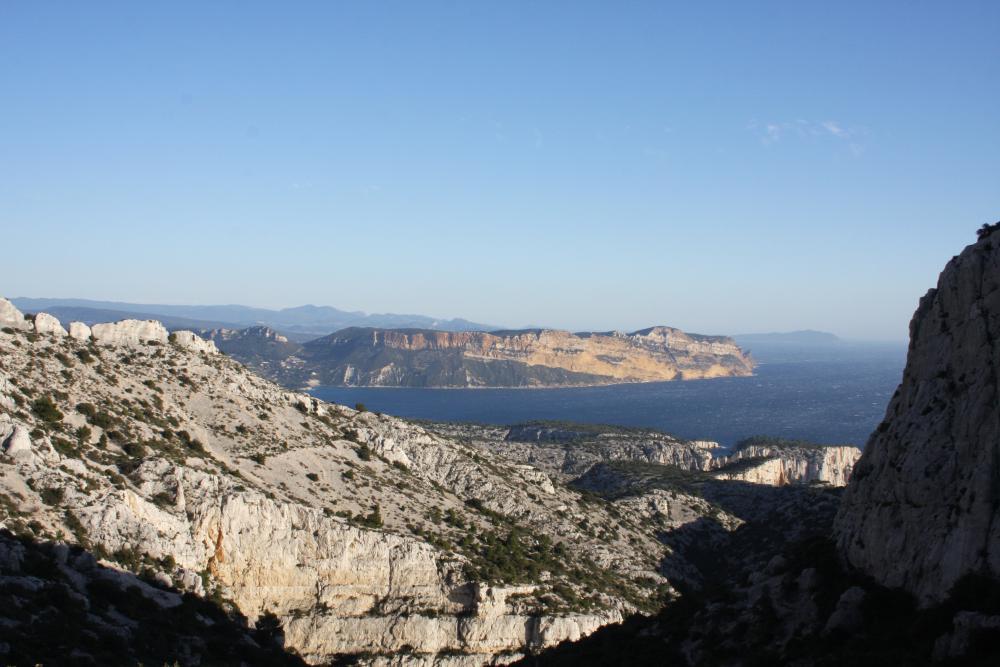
<point x="46" y="410"/>
<point x="98" y="418"/>
<point x="135" y="450"/>
<point x="373" y="519"/>
<point x="51" y="495"/>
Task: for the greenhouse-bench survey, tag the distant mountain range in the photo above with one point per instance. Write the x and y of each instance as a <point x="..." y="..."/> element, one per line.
<point x="804" y="337"/>
<point x="298" y="323"/>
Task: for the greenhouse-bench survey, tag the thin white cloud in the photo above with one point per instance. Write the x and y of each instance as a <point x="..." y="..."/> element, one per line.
<point x="772" y="133"/>
<point x="835" y="129"/>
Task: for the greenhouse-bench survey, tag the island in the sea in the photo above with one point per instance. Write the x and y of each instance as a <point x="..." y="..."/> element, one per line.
<point x="378" y="357"/>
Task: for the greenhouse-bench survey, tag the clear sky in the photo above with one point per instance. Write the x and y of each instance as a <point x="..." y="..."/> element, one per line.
<point x="721" y="167"/>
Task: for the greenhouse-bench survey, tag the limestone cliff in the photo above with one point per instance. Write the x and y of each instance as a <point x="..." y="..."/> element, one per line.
<point x="923" y="509"/>
<point x="426" y="358"/>
<point x="776" y="461"/>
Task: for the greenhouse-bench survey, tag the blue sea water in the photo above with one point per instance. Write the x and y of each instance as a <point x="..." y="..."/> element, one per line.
<point x="831" y="395"/>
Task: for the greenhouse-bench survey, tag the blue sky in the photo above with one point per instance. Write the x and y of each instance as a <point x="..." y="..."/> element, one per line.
<point x="722" y="167"/>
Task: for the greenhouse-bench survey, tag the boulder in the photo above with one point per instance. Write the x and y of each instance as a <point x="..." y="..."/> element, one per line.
<point x="79" y="331"/>
<point x="189" y="340"/>
<point x="129" y="333"/>
<point x="14" y="440"/>
<point x="10" y="316"/>
<point x="47" y="324"/>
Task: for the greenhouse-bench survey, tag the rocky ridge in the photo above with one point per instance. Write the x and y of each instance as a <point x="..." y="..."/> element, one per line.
<point x="528" y="358"/>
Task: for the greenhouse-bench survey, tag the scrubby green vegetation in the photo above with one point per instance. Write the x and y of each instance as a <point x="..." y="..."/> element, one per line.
<point x="778" y="442"/>
<point x="45" y="409"/>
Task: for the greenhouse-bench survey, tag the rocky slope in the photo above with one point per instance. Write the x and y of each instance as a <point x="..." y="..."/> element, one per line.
<point x="530" y="358"/>
<point x="359" y="534"/>
<point x="924" y="508"/>
<point x="150" y="471"/>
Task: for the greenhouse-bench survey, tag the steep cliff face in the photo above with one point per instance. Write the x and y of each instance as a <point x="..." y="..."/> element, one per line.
<point x="774" y="462"/>
<point x="412" y="357"/>
<point x="923" y="508"/>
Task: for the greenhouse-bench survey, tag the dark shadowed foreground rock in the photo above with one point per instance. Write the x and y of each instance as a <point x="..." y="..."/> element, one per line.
<point x="923" y="507"/>
<point x="909" y="571"/>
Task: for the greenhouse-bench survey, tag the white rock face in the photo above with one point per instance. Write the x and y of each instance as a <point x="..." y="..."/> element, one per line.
<point x="129" y="333"/>
<point x="10" y="316"/>
<point x="778" y="465"/>
<point x="191" y="341"/>
<point x="378" y="590"/>
<point x="79" y="331"/>
<point x="47" y="324"/>
<point x="922" y="508"/>
<point x="14" y="440"/>
<point x="7" y="390"/>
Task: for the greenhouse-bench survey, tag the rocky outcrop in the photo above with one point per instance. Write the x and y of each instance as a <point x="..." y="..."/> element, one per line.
<point x="923" y="506"/>
<point x="46" y="324"/>
<point x="129" y="333"/>
<point x="777" y="463"/>
<point x="191" y="341"/>
<point x="79" y="331"/>
<point x="11" y="317"/>
<point x="14" y="440"/>
<point x="528" y="358"/>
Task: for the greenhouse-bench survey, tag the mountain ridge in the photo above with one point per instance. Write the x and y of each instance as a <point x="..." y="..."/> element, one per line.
<point x="304" y="319"/>
<point x="365" y="356"/>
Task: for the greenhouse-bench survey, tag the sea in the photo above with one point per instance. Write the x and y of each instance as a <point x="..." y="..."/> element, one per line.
<point x="828" y="394"/>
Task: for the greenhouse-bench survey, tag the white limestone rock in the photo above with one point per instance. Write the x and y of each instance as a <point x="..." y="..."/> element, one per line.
<point x="189" y="340"/>
<point x="783" y="464"/>
<point x="921" y="509"/>
<point x="15" y="442"/>
<point x="7" y="390"/>
<point x="10" y="316"/>
<point x="79" y="331"/>
<point x="129" y="333"/>
<point x="47" y="324"/>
